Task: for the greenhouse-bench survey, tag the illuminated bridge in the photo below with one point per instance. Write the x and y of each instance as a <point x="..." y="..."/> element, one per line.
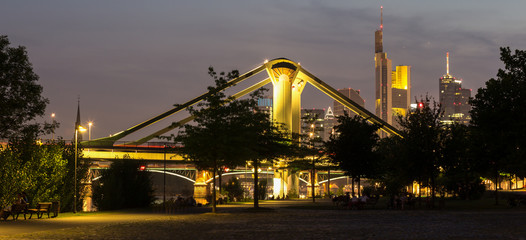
<point x="288" y="80"/>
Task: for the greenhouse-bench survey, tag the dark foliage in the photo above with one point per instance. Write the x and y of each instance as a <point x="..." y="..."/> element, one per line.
<point x="20" y="95"/>
<point x="353" y="146"/>
<point x="123" y="185"/>
<point x="234" y="189"/>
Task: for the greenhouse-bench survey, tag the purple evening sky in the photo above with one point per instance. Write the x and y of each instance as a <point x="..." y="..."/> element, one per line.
<point x="131" y="60"/>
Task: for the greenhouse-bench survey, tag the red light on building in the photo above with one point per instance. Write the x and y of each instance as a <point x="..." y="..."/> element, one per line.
<point x="420" y="105"/>
<point x="142" y="168"/>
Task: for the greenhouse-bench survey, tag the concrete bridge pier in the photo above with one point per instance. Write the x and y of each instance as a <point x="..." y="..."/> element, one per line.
<point x="200" y="186"/>
<point x="316" y="185"/>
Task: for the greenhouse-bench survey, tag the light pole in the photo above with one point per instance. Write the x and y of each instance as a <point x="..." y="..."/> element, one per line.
<point x="53" y="121"/>
<point x="164" y="180"/>
<point x="77" y="129"/>
<point x="313" y="177"/>
<point x="89" y="130"/>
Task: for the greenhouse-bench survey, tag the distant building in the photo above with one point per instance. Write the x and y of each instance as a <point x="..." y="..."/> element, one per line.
<point x="401" y="91"/>
<point x="328" y="124"/>
<point x="382" y="68"/>
<point x="265" y="105"/>
<point x="393" y="87"/>
<point x="454" y="99"/>
<point x="352" y="94"/>
<point x="312" y="123"/>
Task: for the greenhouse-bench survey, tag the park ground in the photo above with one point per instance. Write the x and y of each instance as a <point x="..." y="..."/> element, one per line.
<point x="292" y="219"/>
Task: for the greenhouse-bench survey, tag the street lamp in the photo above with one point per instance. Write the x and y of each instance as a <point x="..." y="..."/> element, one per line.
<point x="78" y="129"/>
<point x="53" y="121"/>
<point x="89" y="130"/>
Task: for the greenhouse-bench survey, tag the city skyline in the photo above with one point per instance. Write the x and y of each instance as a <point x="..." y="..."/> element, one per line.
<point x="131" y="61"/>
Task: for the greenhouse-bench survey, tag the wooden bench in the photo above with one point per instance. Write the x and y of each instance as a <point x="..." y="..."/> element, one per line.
<point x="16" y="209"/>
<point x="43" y="207"/>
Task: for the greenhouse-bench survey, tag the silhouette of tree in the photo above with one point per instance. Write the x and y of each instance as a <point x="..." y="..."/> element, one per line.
<point x="353" y="147"/>
<point x="499" y="119"/>
<point x="123" y="185"/>
<point x="422" y="143"/>
<point x="228" y="132"/>
<point x="461" y="171"/>
<point x="20" y="95"/>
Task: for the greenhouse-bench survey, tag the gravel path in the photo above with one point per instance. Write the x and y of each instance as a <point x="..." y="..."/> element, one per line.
<point x="238" y="222"/>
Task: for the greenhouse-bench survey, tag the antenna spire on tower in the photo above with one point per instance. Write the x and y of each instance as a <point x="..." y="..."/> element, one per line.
<point x="447" y="63"/>
<point x="381" y="17"/>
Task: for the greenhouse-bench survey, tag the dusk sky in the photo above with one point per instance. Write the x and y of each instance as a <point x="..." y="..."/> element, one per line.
<point x="131" y="60"/>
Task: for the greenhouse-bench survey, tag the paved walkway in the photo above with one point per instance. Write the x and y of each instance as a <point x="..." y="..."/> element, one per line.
<point x="277" y="220"/>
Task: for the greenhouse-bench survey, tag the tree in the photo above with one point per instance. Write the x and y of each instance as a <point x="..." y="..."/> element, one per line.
<point x="499" y="119"/>
<point x="20" y="95"/>
<point x="234" y="189"/>
<point x="67" y="189"/>
<point x="123" y="185"/>
<point x="393" y="171"/>
<point x="353" y="147"/>
<point x="422" y="143"/>
<point x="229" y="132"/>
<point x="40" y="170"/>
<point x="265" y="141"/>
<point x="216" y="138"/>
<point x="461" y="171"/>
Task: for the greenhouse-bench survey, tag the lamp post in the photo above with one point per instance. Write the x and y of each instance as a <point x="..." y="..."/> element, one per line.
<point x="89" y="130"/>
<point x="53" y="121"/>
<point x="164" y="180"/>
<point x="77" y="129"/>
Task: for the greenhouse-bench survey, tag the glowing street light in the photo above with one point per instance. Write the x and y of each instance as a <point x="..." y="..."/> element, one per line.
<point x="89" y="131"/>
<point x="53" y="121"/>
<point x="78" y="129"/>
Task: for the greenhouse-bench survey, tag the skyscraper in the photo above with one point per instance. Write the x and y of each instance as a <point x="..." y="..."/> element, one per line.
<point x="352" y="94"/>
<point x="329" y="122"/>
<point x="312" y="124"/>
<point x="393" y="87"/>
<point x="401" y="91"/>
<point x="453" y="98"/>
<point x="382" y="66"/>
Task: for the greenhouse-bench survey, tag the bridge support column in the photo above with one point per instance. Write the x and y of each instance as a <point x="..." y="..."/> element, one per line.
<point x="316" y="185"/>
<point x="200" y="187"/>
<point x="293" y="184"/>
<point x="280" y="186"/>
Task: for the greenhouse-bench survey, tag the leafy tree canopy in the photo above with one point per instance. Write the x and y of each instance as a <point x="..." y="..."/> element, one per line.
<point x="20" y="94"/>
<point x="353" y="145"/>
<point x="499" y="116"/>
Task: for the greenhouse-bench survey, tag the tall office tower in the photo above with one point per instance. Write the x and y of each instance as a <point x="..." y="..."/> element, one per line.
<point x="401" y="91"/>
<point x="312" y="122"/>
<point x="328" y="124"/>
<point x="454" y="99"/>
<point x="382" y="66"/>
<point x="352" y="94"/>
<point x="265" y="105"/>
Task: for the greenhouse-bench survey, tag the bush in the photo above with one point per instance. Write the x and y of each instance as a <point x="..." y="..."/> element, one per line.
<point x="234" y="189"/>
<point x="123" y="185"/>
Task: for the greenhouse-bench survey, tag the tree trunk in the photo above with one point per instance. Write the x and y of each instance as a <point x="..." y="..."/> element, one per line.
<point x="496" y="187"/>
<point x="214" y="190"/>
<point x="256" y="187"/>
<point x="352" y="185"/>
<point x="220" y="173"/>
<point x="313" y="178"/>
<point x="433" y="187"/>
<point x="420" y="194"/>
<point x="329" y="183"/>
<point x="359" y="194"/>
